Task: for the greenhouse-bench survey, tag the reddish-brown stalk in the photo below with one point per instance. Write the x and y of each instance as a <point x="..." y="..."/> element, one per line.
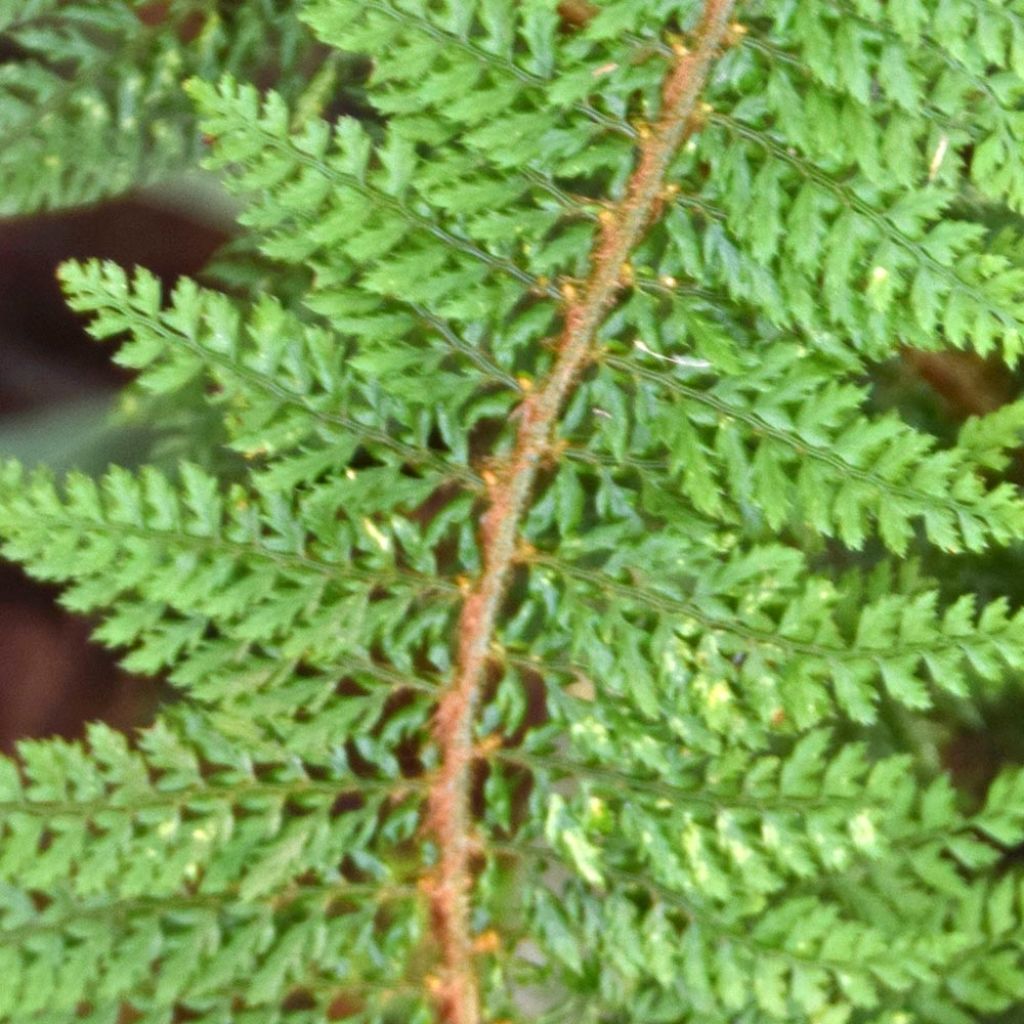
<point x="622" y="227"/>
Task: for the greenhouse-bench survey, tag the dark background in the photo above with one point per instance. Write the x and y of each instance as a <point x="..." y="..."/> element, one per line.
<point x="55" y="383"/>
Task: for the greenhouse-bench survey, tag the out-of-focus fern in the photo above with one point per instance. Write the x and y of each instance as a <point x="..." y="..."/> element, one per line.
<point x="559" y="653"/>
<point x="90" y="90"/>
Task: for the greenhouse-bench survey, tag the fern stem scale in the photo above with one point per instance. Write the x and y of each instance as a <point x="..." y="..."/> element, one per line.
<point x="620" y="230"/>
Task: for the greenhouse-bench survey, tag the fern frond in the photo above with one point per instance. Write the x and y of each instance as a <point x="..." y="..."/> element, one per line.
<point x="797" y="447"/>
<point x="537" y="661"/>
<point x="782" y="646"/>
<point x="287" y="385"/>
<point x="114" y="834"/>
<point x="176" y="565"/>
<point x="92" y="103"/>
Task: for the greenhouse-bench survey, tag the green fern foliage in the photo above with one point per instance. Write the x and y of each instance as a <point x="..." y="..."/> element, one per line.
<point x="90" y="91"/>
<point x="557" y="639"/>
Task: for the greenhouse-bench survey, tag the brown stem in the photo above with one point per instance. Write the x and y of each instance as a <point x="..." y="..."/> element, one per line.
<point x="622" y="227"/>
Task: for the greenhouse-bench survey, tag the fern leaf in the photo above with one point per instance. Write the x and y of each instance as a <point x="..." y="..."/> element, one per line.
<point x="554" y="648"/>
<point x="93" y="103"/>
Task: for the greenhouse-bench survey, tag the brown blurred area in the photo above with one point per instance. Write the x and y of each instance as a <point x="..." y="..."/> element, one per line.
<point x="967" y="384"/>
<point x="52" y="679"/>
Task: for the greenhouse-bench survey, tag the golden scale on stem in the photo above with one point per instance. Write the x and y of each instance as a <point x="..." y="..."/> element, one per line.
<point x="622" y="225"/>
